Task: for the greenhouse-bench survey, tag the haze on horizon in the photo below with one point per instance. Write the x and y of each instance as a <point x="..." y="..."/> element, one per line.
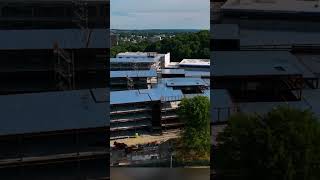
<point x="159" y="14"/>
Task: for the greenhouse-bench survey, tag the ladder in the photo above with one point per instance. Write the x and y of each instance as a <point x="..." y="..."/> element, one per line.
<point x="64" y="66"/>
<point x="164" y="103"/>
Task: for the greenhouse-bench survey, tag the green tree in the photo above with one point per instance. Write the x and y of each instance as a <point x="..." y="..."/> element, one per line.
<point x="195" y="139"/>
<point x="182" y="46"/>
<point x="280" y="145"/>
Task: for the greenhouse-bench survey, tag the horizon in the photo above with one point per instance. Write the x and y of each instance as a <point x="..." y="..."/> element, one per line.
<point x="165" y="14"/>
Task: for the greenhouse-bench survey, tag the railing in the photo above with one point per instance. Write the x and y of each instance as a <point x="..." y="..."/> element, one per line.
<point x="34" y="159"/>
<point x="281" y="47"/>
<point x="223" y="113"/>
<point x="170" y="98"/>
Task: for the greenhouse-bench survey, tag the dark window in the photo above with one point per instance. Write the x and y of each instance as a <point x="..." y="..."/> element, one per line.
<point x="92" y="11"/>
<point x="50" y="12"/>
<point x="17" y="11"/>
<point x="103" y="10"/>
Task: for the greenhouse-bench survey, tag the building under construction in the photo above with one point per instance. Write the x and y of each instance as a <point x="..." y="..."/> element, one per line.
<point x="124" y="61"/>
<point x="145" y="99"/>
<point x="122" y="80"/>
<point x="42" y="133"/>
<point x="54" y="122"/>
<point x="53" y="45"/>
<point x="265" y="55"/>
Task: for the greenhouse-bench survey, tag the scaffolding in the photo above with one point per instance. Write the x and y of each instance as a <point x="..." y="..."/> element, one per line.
<point x="64" y="63"/>
<point x="135" y="116"/>
<point x="64" y="71"/>
<point x="81" y="18"/>
<point x="130" y="82"/>
<point x="164" y="109"/>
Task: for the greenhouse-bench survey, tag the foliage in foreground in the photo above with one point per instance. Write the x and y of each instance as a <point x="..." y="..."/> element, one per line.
<point x="195" y="141"/>
<point x="284" y="144"/>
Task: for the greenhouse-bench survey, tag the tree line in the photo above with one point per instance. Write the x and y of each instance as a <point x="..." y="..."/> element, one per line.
<point x="182" y="46"/>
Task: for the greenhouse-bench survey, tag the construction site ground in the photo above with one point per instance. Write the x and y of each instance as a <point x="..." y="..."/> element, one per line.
<point x="145" y="139"/>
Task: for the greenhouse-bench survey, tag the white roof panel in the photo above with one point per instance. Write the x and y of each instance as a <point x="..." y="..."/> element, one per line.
<point x="195" y="62"/>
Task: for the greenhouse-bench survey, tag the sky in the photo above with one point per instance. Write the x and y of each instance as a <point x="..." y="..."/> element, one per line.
<point x="160" y="14"/>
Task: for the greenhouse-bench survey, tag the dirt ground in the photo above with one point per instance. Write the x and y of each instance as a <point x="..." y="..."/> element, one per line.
<point x="144" y="139"/>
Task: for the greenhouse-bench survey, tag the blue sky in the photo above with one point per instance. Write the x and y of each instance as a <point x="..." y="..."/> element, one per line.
<point x="160" y="14"/>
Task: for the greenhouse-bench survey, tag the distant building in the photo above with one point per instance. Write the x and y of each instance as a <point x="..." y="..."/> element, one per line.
<point x="155" y="38"/>
<point x="114" y="39"/>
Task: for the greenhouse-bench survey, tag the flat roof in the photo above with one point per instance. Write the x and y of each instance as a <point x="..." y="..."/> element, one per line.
<point x="225" y="31"/>
<point x="184" y="81"/>
<point x="138" y="54"/>
<point x="311" y="61"/>
<point x="52" y="111"/>
<point x="140" y="73"/>
<point x="145" y="95"/>
<point x="195" y="62"/>
<point x="141" y="54"/>
<point x="163" y="93"/>
<point x="253" y="63"/>
<point x="283" y="6"/>
<point x="127" y="97"/>
<point x="172" y="71"/>
<point x="172" y="65"/>
<point x="197" y="73"/>
<point x="252" y="37"/>
<point x="45" y="39"/>
<point x="301" y="66"/>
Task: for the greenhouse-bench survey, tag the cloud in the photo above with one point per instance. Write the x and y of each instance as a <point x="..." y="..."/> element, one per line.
<point x="160" y="14"/>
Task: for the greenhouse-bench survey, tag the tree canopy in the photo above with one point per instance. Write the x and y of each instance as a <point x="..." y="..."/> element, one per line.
<point x="182" y="46"/>
<point x="280" y="145"/>
<point x="195" y="140"/>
